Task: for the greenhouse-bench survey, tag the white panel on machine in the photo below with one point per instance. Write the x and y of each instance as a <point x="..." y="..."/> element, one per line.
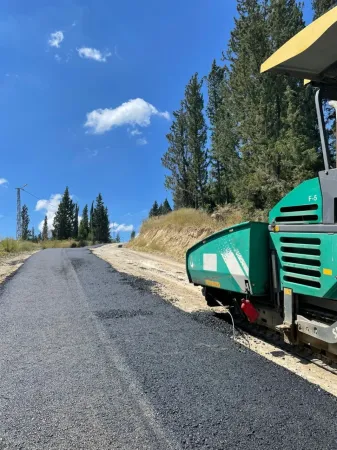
<point x="210" y="262"/>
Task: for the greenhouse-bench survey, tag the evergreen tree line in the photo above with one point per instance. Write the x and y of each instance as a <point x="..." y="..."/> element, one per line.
<point x="28" y="234"/>
<point x="160" y="210"/>
<point x="257" y="137"/>
<point x="94" y="226"/>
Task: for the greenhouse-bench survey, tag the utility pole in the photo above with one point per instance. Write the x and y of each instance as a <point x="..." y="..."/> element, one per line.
<point x="18" y="212"/>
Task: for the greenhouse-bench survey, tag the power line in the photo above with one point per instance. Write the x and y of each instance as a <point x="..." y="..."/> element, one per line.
<point x="31" y="194"/>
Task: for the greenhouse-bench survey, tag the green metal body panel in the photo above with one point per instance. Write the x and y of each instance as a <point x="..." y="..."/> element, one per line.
<point x="239" y="255"/>
<point x="307" y="262"/>
<point x="302" y="205"/>
<point x="231" y="258"/>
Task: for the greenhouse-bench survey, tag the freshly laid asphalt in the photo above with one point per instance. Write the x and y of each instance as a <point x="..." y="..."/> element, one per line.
<point x="90" y="359"/>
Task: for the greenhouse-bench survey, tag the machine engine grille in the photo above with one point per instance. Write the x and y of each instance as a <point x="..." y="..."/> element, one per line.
<point x="300" y="213"/>
<point x="300" y="259"/>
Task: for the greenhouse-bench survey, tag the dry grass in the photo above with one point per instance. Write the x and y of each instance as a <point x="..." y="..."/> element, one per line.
<point x="59" y="244"/>
<point x="174" y="233"/>
<point x="11" y="246"/>
<point x="186" y="218"/>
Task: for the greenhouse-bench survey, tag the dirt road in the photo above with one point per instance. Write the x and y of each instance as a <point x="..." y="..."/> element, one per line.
<point x="168" y="279"/>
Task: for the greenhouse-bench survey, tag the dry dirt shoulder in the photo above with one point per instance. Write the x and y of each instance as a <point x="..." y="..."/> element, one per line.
<point x="10" y="263"/>
<point x="172" y="284"/>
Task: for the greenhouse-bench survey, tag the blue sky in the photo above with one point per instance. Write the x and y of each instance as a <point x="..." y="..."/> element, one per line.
<point x="87" y="89"/>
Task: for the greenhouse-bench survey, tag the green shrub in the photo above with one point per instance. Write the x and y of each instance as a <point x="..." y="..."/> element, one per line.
<point x="9" y="245"/>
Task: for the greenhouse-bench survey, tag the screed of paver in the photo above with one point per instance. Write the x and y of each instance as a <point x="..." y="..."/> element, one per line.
<point x="172" y="284"/>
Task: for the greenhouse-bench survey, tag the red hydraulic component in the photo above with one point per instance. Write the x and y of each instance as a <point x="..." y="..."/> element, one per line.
<point x="251" y="313"/>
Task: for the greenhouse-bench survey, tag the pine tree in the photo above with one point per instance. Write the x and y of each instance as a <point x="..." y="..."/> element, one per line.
<point x="196" y="139"/>
<point x="100" y="221"/>
<point x="118" y="238"/>
<point x="91" y="224"/>
<point x="215" y="82"/>
<point x="225" y="147"/>
<point x="24" y="223"/>
<point x="259" y="102"/>
<point x="297" y="159"/>
<point x="263" y="127"/>
<point x="320" y="7"/>
<point x="32" y="234"/>
<point x="247" y="49"/>
<point x="177" y="159"/>
<point x="296" y="138"/>
<point x="75" y="222"/>
<point x="64" y="218"/>
<point x="83" y="231"/>
<point x="44" y="235"/>
<point x="39" y="237"/>
<point x="166" y="207"/>
<point x="154" y="211"/>
<point x="133" y="235"/>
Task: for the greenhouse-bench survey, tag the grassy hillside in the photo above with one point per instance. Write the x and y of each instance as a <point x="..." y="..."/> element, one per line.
<point x="174" y="233"/>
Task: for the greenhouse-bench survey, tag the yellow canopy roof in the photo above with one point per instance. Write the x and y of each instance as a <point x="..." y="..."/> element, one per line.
<point x="312" y="53"/>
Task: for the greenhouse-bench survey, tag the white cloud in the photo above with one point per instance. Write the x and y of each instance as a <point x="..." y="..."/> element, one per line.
<point x="135" y="132"/>
<point x="56" y="39"/>
<point x="116" y="53"/>
<point x="93" y="53"/>
<point x="141" y="141"/>
<point x="116" y="227"/>
<point x="92" y="153"/>
<point x="49" y="208"/>
<point x="58" y="57"/>
<point x="3" y="182"/>
<point x="134" y="112"/>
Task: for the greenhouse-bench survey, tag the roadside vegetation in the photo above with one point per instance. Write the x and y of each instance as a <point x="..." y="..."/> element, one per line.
<point x="9" y="246"/>
<point x="240" y="137"/>
<point x="172" y="234"/>
<point x="68" y="230"/>
<point x="239" y="140"/>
